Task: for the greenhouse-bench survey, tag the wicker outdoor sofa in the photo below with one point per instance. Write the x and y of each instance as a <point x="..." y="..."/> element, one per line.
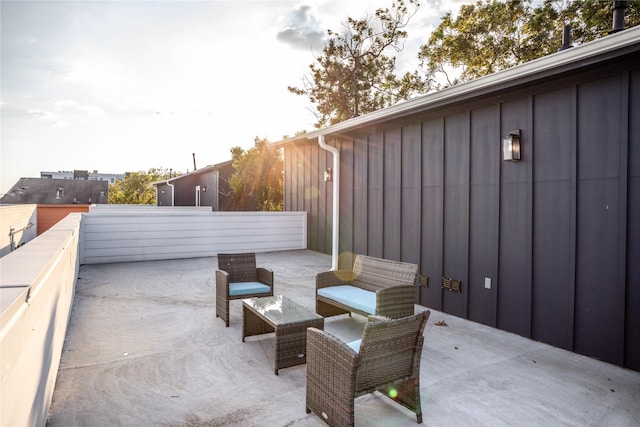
<point x="374" y="286"/>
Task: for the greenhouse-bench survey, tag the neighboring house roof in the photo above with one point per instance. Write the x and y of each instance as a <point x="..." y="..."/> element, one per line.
<point x="195" y="172"/>
<point x="608" y="48"/>
<point x="57" y="191"/>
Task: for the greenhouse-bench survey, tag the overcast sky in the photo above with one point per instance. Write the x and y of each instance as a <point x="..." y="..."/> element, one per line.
<point x="131" y="85"/>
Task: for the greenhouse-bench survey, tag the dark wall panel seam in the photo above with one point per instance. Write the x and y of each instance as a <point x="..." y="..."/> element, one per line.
<point x="467" y="279"/>
<point x="365" y="194"/>
<point x="383" y="192"/>
<point x="442" y="202"/>
<point x="624" y="188"/>
<point x="574" y="212"/>
<point x="497" y="284"/>
<point x="529" y="165"/>
<point x="496" y="266"/>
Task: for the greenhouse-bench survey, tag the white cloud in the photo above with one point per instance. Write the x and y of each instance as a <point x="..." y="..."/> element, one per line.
<point x="71" y="105"/>
<point x="93" y="111"/>
<point x="65" y="103"/>
<point x="301" y="29"/>
<point x="47" y="116"/>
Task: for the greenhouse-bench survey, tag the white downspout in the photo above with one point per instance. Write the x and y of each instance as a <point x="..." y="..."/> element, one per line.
<point x="173" y="200"/>
<point x="336" y="197"/>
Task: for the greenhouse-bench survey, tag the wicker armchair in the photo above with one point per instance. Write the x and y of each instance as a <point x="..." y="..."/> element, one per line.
<point x="237" y="277"/>
<point x="387" y="360"/>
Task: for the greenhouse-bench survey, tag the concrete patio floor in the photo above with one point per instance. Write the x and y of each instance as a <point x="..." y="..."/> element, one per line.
<point x="144" y="348"/>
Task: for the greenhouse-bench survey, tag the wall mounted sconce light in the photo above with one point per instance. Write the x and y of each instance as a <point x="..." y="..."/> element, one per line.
<point x="328" y="175"/>
<point x="204" y="189"/>
<point x="511" y="146"/>
<point x="162" y="191"/>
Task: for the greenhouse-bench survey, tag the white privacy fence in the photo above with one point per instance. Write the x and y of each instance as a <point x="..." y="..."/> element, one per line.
<point x="131" y="234"/>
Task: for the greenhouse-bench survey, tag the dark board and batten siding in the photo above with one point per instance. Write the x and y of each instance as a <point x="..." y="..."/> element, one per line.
<point x="632" y="314"/>
<point x="314" y="196"/>
<point x="558" y="233"/>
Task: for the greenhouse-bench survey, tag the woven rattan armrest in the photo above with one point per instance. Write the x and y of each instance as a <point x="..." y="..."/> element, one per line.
<point x="265" y="276"/>
<point x="331" y="377"/>
<point x="326" y="345"/>
<point x="396" y="301"/>
<point x="222" y="282"/>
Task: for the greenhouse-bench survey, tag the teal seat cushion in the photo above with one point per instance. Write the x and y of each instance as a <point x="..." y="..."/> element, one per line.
<point x="352" y="296"/>
<point x="355" y="345"/>
<point x="248" y="288"/>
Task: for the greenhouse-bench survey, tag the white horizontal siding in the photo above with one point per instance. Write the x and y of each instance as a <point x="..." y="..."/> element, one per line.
<point x="118" y="236"/>
<point x="17" y="217"/>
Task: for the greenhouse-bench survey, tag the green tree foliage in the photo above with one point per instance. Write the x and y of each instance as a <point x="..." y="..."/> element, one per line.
<point x="482" y="39"/>
<point x="493" y="35"/>
<point x="259" y="177"/>
<point x="589" y="19"/>
<point x="136" y="188"/>
<point x="354" y="75"/>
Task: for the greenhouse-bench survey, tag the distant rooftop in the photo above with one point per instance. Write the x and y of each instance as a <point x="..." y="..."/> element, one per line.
<point x="56" y="191"/>
<point x="83" y="175"/>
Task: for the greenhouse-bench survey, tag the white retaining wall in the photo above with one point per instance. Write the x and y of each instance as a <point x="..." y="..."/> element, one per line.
<point x="36" y="295"/>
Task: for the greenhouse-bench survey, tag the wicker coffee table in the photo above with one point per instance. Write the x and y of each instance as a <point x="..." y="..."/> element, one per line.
<point x="288" y="319"/>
